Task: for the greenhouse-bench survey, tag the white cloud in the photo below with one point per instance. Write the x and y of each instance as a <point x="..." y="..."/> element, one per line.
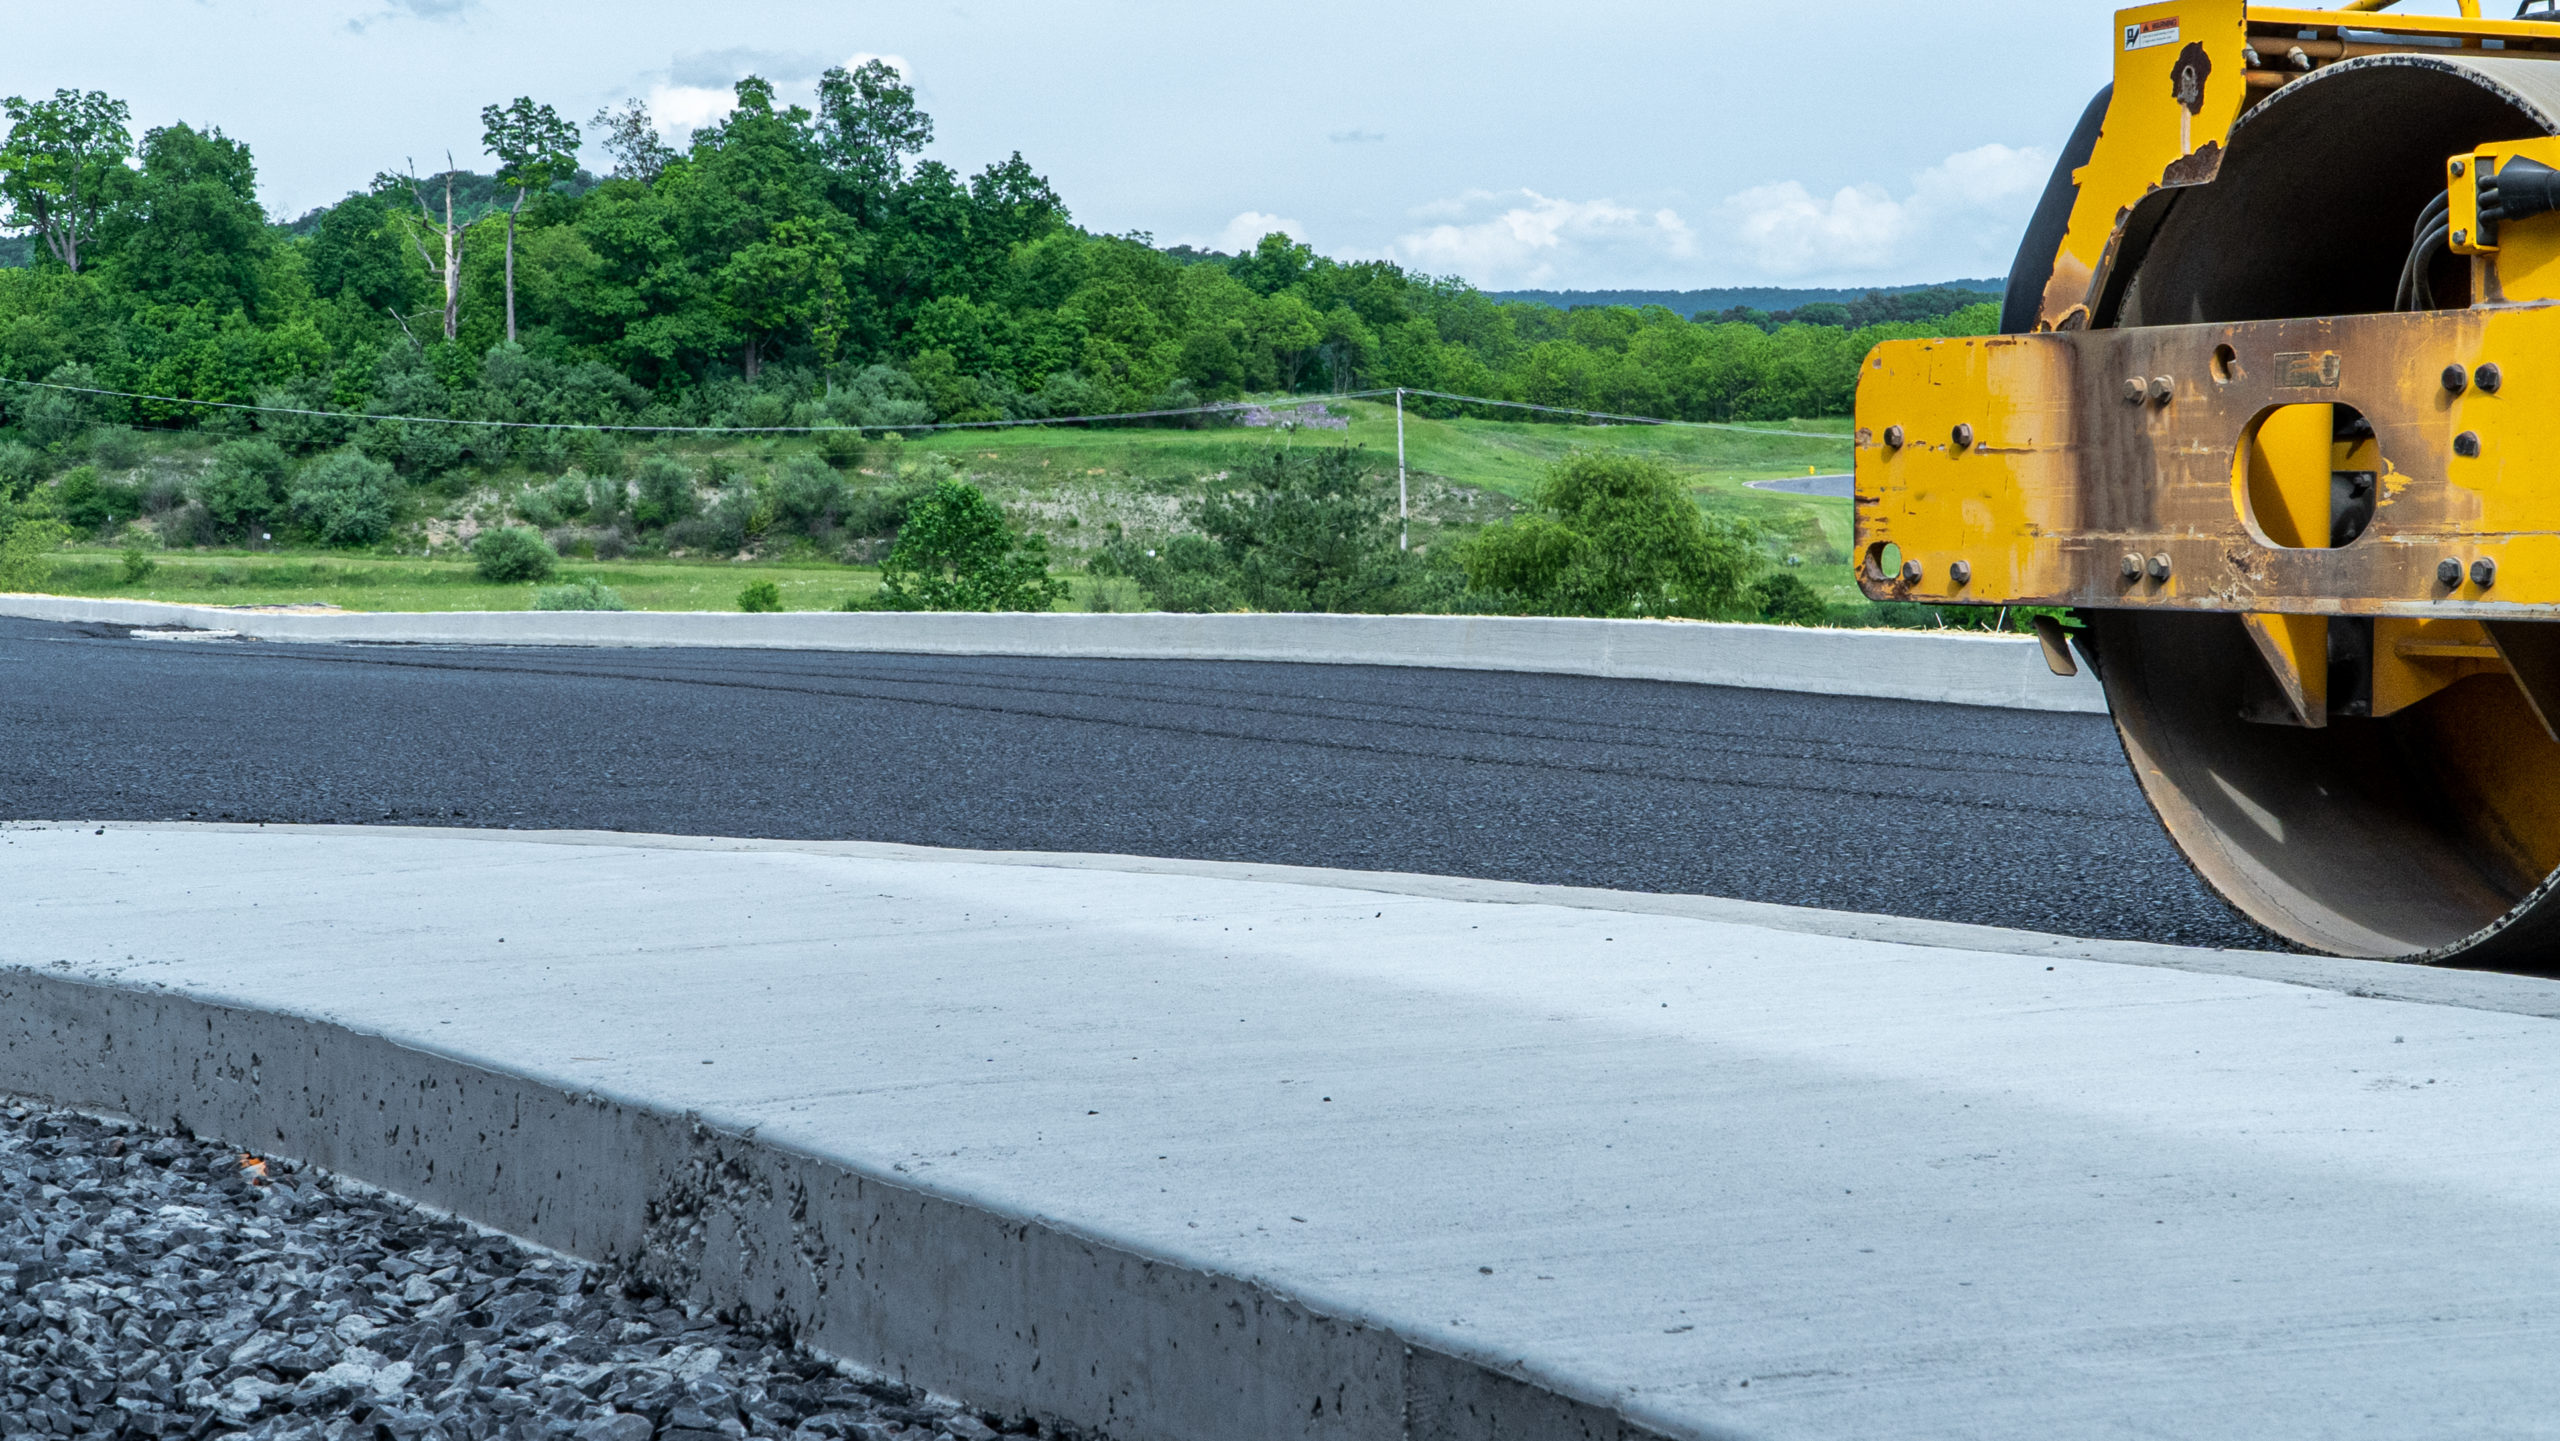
<point x="1541" y="240"/>
<point x="1246" y="230"/>
<point x="701" y="85"/>
<point x="1960" y="217"/>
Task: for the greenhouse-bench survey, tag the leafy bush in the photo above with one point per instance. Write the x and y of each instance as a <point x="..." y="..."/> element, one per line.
<point x="245" y="484"/>
<point x="761" y="597"/>
<point x="1787" y="600"/>
<point x="344" y="498"/>
<point x="607" y="495"/>
<point x="137" y="563"/>
<point x="301" y="434"/>
<point x="1619" y="537"/>
<point x="115" y="447"/>
<point x="808" y="494"/>
<point x="21" y="467"/>
<point x="666" y="490"/>
<point x="955" y="552"/>
<point x="53" y="419"/>
<point x="841" y="446"/>
<point x="26" y="554"/>
<point x="509" y="554"/>
<point x="584" y="593"/>
<point x="89" y="502"/>
<point x="1303" y="529"/>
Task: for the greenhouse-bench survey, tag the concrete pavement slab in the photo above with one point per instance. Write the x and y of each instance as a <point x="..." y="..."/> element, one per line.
<point x="1695" y="1174"/>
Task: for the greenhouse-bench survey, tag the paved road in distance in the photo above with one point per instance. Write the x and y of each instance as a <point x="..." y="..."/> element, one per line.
<point x="2009" y="818"/>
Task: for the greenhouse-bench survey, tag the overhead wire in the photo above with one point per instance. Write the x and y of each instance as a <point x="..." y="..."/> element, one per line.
<point x="1215" y="408"/>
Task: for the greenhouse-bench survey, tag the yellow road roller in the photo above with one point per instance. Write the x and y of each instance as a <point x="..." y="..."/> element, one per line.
<point x="2276" y="414"/>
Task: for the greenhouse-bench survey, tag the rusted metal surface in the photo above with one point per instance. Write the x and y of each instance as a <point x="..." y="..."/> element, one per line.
<point x="2066" y="475"/>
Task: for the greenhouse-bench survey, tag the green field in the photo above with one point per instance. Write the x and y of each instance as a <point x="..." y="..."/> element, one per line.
<point x="1081" y="488"/>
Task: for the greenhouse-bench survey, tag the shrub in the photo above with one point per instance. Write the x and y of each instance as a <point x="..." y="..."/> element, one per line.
<point x="584" y="593"/>
<point x="956" y="553"/>
<point x="88" y="501"/>
<point x="26" y="554"/>
<point x="301" y="434"/>
<point x="245" y="484"/>
<point x="115" y="447"/>
<point x="666" y="490"/>
<point x="606" y="496"/>
<point x="510" y="554"/>
<point x="807" y="493"/>
<point x="1303" y="529"/>
<point x="138" y="564"/>
<point x="344" y="498"/>
<point x="842" y="446"/>
<point x="1619" y="537"/>
<point x="1787" y="600"/>
<point x="21" y="467"/>
<point x="53" y="419"/>
<point x="761" y="597"/>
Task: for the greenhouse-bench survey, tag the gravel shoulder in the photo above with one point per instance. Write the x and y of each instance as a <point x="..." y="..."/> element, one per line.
<point x="160" y="1285"/>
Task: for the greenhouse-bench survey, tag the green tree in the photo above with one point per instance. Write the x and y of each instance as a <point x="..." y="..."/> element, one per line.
<point x="345" y="498"/>
<point x="868" y="124"/>
<point x="26" y="553"/>
<point x="190" y="230"/>
<point x="244" y="486"/>
<point x="63" y="165"/>
<point x="1618" y="536"/>
<point x="955" y="552"/>
<point x="536" y="150"/>
<point x="631" y="138"/>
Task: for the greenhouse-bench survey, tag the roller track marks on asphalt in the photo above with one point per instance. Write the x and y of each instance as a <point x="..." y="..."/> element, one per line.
<point x="2015" y="818"/>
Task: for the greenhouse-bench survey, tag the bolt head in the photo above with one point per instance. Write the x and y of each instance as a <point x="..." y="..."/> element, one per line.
<point x="1961" y="572"/>
<point x="2135" y="388"/>
<point x="2457" y="167"/>
<point x="2490" y="377"/>
<point x="2133" y="566"/>
<point x="2467" y="444"/>
<point x="2160" y="566"/>
<point x="2448" y="572"/>
<point x="2456" y="380"/>
<point x="2484" y="572"/>
<point x="2462" y="237"/>
<point x="1893" y="437"/>
<point x="1911" y="572"/>
<point x="1963" y="436"/>
<point x="2163" y="389"/>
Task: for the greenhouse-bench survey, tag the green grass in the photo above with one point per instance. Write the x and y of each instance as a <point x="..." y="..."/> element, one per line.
<point x="1081" y="488"/>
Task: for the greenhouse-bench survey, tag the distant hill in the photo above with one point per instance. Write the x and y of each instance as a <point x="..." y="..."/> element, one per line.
<point x="1771" y="298"/>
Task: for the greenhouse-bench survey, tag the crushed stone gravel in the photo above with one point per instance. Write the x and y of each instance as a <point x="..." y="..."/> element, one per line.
<point x="160" y="1285"/>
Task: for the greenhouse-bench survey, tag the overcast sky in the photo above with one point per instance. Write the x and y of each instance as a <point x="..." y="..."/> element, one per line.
<point x="1676" y="143"/>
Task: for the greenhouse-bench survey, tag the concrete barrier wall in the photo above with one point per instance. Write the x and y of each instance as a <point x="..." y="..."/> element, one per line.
<point x="1940" y="666"/>
<point x="1012" y="1313"/>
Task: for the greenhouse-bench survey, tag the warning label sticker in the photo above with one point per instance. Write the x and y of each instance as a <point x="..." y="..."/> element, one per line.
<point x="2307" y="369"/>
<point x="2163" y="31"/>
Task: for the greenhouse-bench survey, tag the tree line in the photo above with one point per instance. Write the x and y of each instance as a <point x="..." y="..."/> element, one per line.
<point x="789" y="265"/>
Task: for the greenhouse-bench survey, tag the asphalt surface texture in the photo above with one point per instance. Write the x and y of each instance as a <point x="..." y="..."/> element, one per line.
<point x="2008" y="818"/>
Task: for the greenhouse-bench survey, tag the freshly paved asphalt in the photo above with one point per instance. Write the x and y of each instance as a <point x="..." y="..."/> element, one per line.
<point x="1995" y="817"/>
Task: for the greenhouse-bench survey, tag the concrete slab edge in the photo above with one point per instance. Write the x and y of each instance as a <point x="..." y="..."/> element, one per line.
<point x="2376" y="980"/>
<point x="1012" y="1313"/>
<point x="1944" y="667"/>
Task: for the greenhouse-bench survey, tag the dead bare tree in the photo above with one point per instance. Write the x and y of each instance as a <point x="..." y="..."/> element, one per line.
<point x="444" y="263"/>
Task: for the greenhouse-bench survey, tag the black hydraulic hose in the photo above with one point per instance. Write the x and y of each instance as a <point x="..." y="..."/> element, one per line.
<point x="2433" y="229"/>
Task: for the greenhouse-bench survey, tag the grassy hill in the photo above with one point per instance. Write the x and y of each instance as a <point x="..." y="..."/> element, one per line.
<point x="1081" y="488"/>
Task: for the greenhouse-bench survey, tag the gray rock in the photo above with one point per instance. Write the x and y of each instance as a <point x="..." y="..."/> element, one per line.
<point x="158" y="1285"/>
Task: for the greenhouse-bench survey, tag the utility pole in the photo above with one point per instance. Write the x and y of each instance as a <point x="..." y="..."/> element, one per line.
<point x="1404" y="511"/>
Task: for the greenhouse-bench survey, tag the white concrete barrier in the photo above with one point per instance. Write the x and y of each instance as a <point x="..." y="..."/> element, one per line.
<point x="1942" y="666"/>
